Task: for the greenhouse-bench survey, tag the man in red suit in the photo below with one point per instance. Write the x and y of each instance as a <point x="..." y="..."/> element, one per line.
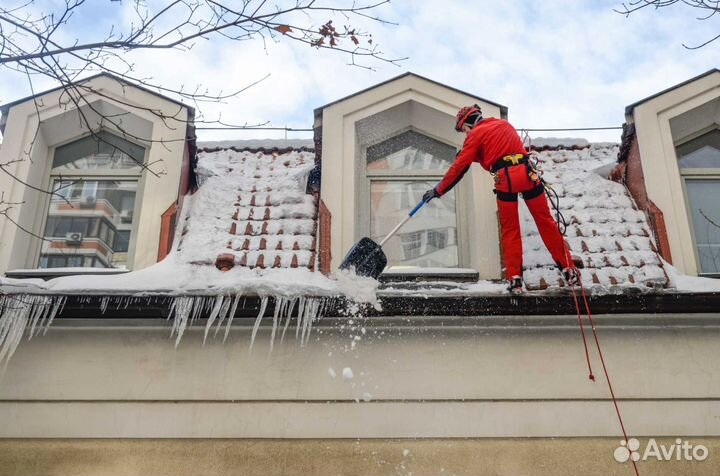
<point x="497" y="147"/>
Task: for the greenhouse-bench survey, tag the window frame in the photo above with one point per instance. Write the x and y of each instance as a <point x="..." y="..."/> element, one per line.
<point x="51" y="174"/>
<point x="695" y="174"/>
<point x="463" y="205"/>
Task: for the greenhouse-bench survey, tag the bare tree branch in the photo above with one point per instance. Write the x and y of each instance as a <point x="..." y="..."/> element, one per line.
<point x="44" y="45"/>
<point x="706" y="9"/>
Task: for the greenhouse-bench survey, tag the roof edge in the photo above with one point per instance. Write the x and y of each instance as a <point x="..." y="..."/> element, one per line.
<point x="629" y="109"/>
<point x="503" y="109"/>
<point x="4" y="108"/>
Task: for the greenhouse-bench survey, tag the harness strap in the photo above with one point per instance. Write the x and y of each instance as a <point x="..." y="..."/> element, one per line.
<point x="536" y="192"/>
<point x="506" y="196"/>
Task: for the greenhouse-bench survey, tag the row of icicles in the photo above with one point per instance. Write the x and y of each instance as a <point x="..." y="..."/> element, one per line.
<point x="33" y="314"/>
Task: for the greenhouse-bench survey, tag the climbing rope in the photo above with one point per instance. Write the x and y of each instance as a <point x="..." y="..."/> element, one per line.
<point x="602" y="361"/>
<point x="562" y="224"/>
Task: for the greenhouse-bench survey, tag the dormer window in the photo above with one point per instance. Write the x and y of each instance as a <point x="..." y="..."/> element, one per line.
<point x="699" y="163"/>
<point x="91" y="215"/>
<point x="398" y="171"/>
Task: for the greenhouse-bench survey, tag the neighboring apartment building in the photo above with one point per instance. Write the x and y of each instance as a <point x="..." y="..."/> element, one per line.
<point x="447" y="375"/>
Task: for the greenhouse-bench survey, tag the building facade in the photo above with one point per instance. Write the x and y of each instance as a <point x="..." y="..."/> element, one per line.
<point x="441" y="378"/>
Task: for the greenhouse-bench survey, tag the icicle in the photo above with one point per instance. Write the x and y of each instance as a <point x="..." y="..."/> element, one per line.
<point x="213" y="314"/>
<point x="55" y="308"/>
<point x="315" y="311"/>
<point x="308" y="315"/>
<point x="288" y="317"/>
<point x="231" y="315"/>
<point x="280" y="303"/>
<point x="263" y="305"/>
<point x="300" y="314"/>
<point x="197" y="305"/>
<point x="180" y="309"/>
<point x="37" y="312"/>
<point x="19" y="312"/>
<point x="222" y="314"/>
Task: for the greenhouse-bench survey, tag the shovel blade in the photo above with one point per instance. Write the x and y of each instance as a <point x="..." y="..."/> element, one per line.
<point x="366" y="258"/>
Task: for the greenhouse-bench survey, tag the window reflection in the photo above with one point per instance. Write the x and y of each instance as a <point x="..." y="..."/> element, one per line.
<point x="703" y="197"/>
<point x="429" y="239"/>
<point x="410" y="151"/>
<point x="99" y="151"/>
<point x="89" y="224"/>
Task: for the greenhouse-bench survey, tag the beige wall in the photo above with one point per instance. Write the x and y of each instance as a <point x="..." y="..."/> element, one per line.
<point x="341" y="152"/>
<point x="58" y="125"/>
<point x="657" y="151"/>
<point x="443" y="378"/>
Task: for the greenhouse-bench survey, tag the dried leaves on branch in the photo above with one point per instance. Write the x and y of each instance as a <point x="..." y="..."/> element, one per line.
<point x="706" y="10"/>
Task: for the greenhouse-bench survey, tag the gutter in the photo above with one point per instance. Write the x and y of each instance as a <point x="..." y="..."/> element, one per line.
<point x="416" y="309"/>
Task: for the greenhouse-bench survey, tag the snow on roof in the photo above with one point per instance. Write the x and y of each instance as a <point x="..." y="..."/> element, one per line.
<point x="251" y="210"/>
<point x="605" y="229"/>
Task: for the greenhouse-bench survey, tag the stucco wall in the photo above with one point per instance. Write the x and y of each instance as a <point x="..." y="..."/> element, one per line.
<point x="60" y="125"/>
<point x="98" y="379"/>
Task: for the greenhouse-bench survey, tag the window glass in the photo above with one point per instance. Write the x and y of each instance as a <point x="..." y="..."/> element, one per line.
<point x="703" y="152"/>
<point x="410" y="151"/>
<point x="99" y="151"/>
<point x="84" y="224"/>
<point x="703" y="199"/>
<point x="429" y="239"/>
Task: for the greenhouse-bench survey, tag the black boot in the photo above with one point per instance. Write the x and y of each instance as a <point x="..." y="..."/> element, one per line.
<point x="515" y="285"/>
<point x="571" y="276"/>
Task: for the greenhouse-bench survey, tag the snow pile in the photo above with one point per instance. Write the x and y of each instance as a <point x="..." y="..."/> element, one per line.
<point x="692" y="284"/>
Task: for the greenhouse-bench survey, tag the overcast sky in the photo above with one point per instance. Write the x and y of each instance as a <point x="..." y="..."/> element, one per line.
<point x="555" y="63"/>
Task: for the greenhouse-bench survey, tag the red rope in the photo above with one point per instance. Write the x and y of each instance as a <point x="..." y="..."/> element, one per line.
<point x="597" y="344"/>
<point x="582" y="332"/>
<point x="602" y="360"/>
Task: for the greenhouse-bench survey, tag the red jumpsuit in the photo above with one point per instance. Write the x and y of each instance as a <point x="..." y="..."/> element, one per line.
<point x="487" y="143"/>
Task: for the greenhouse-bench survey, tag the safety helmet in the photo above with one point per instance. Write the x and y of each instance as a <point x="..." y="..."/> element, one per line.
<point x="468" y="115"/>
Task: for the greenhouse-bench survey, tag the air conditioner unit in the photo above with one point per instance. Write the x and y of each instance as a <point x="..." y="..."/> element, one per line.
<point x="126" y="216"/>
<point x="73" y="238"/>
<point x="87" y="202"/>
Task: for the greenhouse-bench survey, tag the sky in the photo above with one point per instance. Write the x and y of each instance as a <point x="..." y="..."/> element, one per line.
<point x="554" y="64"/>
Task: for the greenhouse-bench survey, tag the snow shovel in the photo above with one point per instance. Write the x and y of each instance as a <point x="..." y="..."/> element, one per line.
<point x="367" y="257"/>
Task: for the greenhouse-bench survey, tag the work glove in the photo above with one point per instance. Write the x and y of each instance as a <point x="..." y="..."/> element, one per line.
<point x="430" y="194"/>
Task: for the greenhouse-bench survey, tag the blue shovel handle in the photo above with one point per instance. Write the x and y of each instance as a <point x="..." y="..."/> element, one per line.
<point x="418" y="207"/>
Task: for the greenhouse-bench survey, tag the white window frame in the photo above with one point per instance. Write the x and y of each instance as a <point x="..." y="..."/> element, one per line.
<point x="53" y="174"/>
<point x="696" y="174"/>
<point x="367" y="177"/>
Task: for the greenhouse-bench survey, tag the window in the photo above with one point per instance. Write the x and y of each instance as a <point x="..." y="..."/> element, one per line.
<point x="398" y="171"/>
<point x="699" y="162"/>
<point x="90" y="216"/>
